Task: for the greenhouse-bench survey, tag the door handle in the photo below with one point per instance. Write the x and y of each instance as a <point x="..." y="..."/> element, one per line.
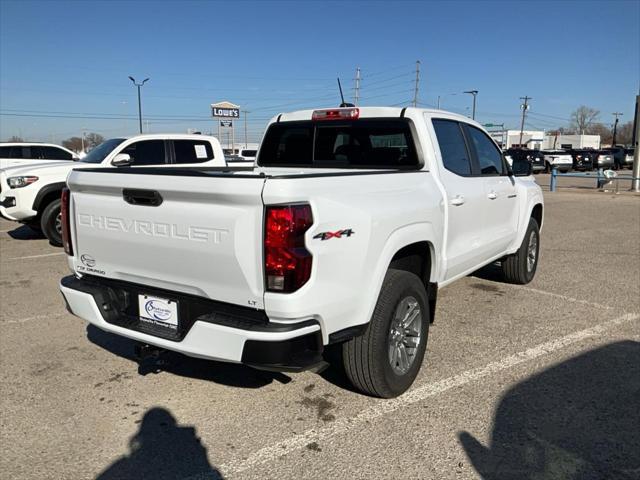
<point x="457" y="201"/>
<point x="492" y="195"/>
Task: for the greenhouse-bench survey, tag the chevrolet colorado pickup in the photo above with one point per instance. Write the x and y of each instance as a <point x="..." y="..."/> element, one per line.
<point x="31" y="194"/>
<point x="340" y="235"/>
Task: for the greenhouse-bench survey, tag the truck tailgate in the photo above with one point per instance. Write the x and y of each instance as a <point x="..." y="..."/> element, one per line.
<point x="203" y="238"/>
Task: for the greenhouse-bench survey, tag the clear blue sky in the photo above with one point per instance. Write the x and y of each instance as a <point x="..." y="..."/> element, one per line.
<point x="66" y="59"/>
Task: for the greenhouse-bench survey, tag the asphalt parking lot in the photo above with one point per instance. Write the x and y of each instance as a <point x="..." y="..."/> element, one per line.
<point x="539" y="381"/>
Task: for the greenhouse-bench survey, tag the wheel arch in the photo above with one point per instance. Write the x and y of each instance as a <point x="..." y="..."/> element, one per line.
<point x="46" y="195"/>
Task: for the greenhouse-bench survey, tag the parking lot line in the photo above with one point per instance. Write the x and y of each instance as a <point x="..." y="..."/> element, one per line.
<point x="562" y="297"/>
<point x="37" y="317"/>
<point x="36" y="256"/>
<point x="415" y="395"/>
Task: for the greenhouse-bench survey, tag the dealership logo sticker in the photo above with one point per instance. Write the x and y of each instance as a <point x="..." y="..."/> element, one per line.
<point x="88" y="260"/>
<point x="157" y="310"/>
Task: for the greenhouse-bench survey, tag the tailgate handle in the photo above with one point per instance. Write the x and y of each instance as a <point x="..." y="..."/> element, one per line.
<point x="146" y="198"/>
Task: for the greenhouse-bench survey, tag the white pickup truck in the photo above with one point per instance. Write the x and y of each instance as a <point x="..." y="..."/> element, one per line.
<point x="342" y="234"/>
<point x="31" y="194"/>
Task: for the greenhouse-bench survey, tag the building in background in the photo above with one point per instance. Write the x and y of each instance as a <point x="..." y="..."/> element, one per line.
<point x="565" y="142"/>
<point x="532" y="139"/>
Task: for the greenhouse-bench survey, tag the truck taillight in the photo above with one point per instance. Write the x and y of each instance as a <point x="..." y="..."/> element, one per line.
<point x="66" y="224"/>
<point x="287" y="263"/>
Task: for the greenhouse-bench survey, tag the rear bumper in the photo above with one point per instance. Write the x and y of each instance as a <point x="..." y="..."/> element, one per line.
<point x="212" y="330"/>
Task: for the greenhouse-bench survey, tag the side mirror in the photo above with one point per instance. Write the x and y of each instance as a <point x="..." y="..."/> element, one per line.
<point x="521" y="169"/>
<point x="121" y="160"/>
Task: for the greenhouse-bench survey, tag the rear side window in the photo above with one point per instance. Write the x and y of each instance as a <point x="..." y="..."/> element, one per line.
<point x="148" y="152"/>
<point x="192" y="151"/>
<point x="375" y="143"/>
<point x="489" y="157"/>
<point x="248" y="153"/>
<point x="10" y="152"/>
<point x="53" y="153"/>
<point x="452" y="147"/>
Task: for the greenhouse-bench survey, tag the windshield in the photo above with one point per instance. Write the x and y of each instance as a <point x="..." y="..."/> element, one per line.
<point x="99" y="153"/>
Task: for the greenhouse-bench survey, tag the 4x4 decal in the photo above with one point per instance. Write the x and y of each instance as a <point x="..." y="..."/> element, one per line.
<point x="337" y="234"/>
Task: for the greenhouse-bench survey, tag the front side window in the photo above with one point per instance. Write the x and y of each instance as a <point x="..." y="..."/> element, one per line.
<point x="192" y="151"/>
<point x="147" y="152"/>
<point x="489" y="157"/>
<point x="453" y="149"/>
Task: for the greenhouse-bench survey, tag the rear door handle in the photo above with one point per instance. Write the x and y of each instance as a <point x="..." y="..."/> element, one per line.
<point x="457" y="201"/>
<point x="492" y="195"/>
<point x="147" y="198"/>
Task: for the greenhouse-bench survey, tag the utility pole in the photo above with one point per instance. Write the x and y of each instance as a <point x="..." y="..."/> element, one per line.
<point x="524" y="107"/>
<point x="475" y="94"/>
<point x="415" y="92"/>
<point x="615" y="128"/>
<point x="635" y="183"/>
<point x="246" y="112"/>
<point x="357" y="95"/>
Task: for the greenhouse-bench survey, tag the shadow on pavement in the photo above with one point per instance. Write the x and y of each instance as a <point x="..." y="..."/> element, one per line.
<point x="577" y="420"/>
<point x="229" y="374"/>
<point x="23" y="232"/>
<point x="162" y="449"/>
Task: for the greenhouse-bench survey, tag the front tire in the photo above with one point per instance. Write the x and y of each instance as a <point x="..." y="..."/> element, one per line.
<point x="520" y="267"/>
<point x="51" y="223"/>
<point x="385" y="360"/>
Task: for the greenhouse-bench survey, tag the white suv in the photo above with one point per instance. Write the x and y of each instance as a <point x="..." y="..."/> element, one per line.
<point x="31" y="194"/>
<point x="22" y="154"/>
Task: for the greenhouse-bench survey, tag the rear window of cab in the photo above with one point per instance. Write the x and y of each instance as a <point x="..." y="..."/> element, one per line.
<point x="361" y="143"/>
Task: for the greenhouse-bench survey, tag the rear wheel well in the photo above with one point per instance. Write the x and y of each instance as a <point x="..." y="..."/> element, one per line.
<point x="417" y="259"/>
<point x="414" y="258"/>
<point x="536" y="214"/>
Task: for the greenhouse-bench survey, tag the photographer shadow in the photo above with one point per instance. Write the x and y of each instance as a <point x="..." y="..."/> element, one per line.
<point x="162" y="449"/>
<point x="579" y="419"/>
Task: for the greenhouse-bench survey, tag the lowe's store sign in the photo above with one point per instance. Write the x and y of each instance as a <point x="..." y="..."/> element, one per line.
<point x="225" y="110"/>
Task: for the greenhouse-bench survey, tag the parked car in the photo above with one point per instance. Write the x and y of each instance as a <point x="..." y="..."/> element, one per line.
<point x="534" y="157"/>
<point x="622" y="157"/>
<point x="22" y="154"/>
<point x="604" y="160"/>
<point x="343" y="233"/>
<point x="583" y="159"/>
<point x="628" y="157"/>
<point x="31" y="194"/>
<point x="560" y="159"/>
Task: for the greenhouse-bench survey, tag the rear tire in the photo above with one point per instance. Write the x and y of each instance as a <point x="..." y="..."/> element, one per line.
<point x="385" y="360"/>
<point x="520" y="267"/>
<point x="51" y="223"/>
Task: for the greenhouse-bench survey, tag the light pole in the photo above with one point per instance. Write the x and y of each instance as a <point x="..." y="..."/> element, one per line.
<point x="474" y="93"/>
<point x="139" y="103"/>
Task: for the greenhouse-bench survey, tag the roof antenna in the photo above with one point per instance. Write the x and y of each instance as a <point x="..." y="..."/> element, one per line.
<point x="343" y="104"/>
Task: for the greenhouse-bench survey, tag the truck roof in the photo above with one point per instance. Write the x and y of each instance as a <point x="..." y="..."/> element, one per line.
<point x="171" y="136"/>
<point x="375" y="112"/>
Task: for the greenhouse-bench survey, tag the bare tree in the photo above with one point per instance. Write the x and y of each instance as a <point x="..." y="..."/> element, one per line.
<point x="73" y="143"/>
<point x="606" y="135"/>
<point x="583" y="117"/>
<point x="624" y="135"/>
<point x="15" y="139"/>
<point x="92" y="140"/>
